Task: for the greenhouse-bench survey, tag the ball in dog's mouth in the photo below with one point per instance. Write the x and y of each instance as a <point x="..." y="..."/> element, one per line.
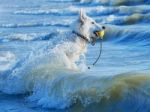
<point x="100" y="33"/>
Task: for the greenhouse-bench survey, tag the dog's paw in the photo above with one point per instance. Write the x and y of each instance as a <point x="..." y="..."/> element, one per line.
<point x="73" y="67"/>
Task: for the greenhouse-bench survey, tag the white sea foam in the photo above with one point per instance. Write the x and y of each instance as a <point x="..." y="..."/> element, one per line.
<point x="7" y="60"/>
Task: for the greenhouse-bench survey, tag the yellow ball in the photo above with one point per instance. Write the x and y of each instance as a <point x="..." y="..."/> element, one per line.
<point x="101" y="34"/>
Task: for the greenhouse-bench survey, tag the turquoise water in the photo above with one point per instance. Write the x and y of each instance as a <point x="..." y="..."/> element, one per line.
<point x="32" y="77"/>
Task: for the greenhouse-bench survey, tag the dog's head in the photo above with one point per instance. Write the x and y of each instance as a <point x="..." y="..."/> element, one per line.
<point x="87" y="27"/>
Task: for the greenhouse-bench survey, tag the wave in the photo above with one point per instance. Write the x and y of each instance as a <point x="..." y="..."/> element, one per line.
<point x="69" y="11"/>
<point x="133" y="35"/>
<point x="7" y="60"/>
<point x="128" y="20"/>
<point x="93" y="11"/>
<point x="116" y="2"/>
<point x="63" y="12"/>
<point x="26" y="37"/>
<point x="118" y="11"/>
<point x="33" y="25"/>
<point x="120" y="96"/>
<point x="52" y="87"/>
<point x="30" y="36"/>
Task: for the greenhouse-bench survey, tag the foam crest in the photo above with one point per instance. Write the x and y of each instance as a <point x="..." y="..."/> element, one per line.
<point x="116" y="2"/>
<point x="7" y="60"/>
<point x="33" y="25"/>
<point x="128" y="35"/>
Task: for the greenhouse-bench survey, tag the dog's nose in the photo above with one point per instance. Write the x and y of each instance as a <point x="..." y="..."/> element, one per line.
<point x="103" y="27"/>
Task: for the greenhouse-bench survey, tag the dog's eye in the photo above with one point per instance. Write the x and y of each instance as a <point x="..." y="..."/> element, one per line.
<point x="92" y="22"/>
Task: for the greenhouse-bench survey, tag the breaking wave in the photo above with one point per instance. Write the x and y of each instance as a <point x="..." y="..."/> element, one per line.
<point x="33" y="25"/>
<point x="50" y="86"/>
<point x="116" y="2"/>
<point x="128" y="35"/>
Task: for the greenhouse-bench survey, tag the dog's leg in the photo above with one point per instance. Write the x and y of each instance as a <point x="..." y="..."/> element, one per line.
<point x="71" y="61"/>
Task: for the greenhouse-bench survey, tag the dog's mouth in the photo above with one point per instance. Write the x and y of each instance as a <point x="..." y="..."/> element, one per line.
<point x="99" y="34"/>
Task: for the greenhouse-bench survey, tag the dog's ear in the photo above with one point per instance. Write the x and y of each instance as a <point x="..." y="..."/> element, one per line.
<point x="82" y="16"/>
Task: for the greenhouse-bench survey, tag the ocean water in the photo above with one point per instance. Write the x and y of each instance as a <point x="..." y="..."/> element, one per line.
<point x="33" y="77"/>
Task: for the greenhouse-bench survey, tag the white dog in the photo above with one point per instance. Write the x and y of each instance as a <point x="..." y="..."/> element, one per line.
<point x="84" y="30"/>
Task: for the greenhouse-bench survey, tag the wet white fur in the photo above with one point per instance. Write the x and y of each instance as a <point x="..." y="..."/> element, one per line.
<point x="85" y="26"/>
